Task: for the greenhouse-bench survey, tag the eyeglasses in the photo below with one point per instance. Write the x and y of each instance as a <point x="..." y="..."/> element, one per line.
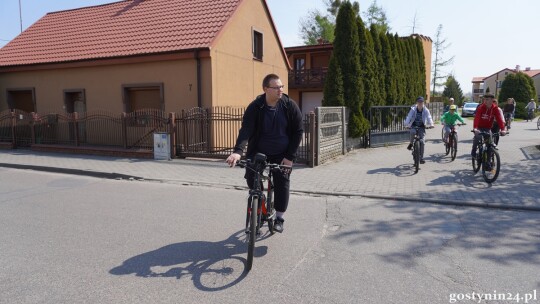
<point x="277" y="88"/>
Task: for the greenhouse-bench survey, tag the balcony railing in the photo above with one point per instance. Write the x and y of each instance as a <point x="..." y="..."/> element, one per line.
<point x="478" y="91"/>
<point x="307" y="78"/>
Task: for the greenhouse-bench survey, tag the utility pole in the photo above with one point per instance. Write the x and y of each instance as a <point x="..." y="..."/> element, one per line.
<point x="20" y="14"/>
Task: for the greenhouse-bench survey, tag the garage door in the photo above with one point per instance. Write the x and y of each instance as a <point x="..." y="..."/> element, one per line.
<point x="311" y="100"/>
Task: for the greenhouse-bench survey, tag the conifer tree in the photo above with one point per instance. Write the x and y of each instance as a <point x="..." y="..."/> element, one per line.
<point x="333" y="86"/>
<point x="389" y="70"/>
<point x="346" y="51"/>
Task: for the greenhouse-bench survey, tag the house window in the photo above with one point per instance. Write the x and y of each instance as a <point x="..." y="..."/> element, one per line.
<point x="300" y="63"/>
<point x="74" y="101"/>
<point x="257" y="45"/>
<point x="143" y="96"/>
<point x="22" y="99"/>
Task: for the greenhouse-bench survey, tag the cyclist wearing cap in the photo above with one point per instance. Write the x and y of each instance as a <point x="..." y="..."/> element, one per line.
<point x="450" y="103"/>
<point x="449" y="119"/>
<point x="419" y="116"/>
<point x="486" y="114"/>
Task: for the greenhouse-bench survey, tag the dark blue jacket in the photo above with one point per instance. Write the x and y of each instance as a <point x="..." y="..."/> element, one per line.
<point x="252" y="123"/>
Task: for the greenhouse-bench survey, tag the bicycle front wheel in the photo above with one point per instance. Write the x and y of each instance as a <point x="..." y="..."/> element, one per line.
<point x="491" y="166"/>
<point x="477" y="161"/>
<point x="538" y="123"/>
<point x="252" y="233"/>
<point x="453" y="145"/>
<point x="416" y="156"/>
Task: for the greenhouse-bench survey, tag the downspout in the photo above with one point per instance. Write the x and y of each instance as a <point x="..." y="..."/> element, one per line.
<point x="199" y="89"/>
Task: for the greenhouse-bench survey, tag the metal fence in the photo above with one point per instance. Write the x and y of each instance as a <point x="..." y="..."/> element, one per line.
<point x="212" y="133"/>
<point x="387" y="125"/>
<point x="98" y="129"/>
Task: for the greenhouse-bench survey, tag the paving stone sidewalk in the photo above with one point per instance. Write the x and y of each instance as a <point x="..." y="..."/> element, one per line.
<point x="379" y="172"/>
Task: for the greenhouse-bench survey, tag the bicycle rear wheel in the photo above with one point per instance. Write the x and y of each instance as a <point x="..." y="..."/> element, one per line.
<point x="453" y="145"/>
<point x="252" y="233"/>
<point x="416" y="155"/>
<point x="477" y="160"/>
<point x="491" y="166"/>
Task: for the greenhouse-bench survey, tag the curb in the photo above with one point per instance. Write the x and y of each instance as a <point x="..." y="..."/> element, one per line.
<point x="312" y="193"/>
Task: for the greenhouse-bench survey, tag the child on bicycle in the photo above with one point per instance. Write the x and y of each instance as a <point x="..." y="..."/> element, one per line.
<point x="449" y="119"/>
<point x="419" y="116"/>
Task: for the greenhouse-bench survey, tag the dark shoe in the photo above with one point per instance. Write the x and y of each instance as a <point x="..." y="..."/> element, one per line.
<point x="409" y="147"/>
<point x="278" y="225"/>
<point x="422" y="161"/>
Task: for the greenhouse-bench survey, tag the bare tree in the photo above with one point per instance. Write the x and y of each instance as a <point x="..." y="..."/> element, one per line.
<point x="440" y="45"/>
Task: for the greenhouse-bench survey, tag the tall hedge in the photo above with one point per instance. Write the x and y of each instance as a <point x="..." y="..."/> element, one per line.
<point x="346" y="51"/>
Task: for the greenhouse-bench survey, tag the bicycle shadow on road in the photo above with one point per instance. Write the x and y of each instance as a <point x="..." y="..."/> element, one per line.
<point x="212" y="266"/>
<point x="399" y="171"/>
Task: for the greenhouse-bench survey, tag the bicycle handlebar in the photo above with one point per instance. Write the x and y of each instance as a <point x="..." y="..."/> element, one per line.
<point x="247" y="163"/>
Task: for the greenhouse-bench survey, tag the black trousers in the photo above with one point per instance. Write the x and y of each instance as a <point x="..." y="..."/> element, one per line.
<point x="281" y="187"/>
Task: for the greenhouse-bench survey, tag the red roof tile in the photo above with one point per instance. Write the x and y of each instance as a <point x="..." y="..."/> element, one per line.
<point x="124" y="28"/>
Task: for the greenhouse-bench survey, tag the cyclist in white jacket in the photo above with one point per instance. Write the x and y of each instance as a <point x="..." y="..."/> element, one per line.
<point x="419" y="116"/>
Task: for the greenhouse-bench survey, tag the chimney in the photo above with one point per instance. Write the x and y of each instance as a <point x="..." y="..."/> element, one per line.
<point x="517" y="68"/>
<point x="527" y="68"/>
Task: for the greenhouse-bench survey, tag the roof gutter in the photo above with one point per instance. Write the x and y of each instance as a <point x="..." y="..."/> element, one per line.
<point x="199" y="81"/>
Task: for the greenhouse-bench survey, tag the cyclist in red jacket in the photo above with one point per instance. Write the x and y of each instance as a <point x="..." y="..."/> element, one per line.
<point x="486" y="114"/>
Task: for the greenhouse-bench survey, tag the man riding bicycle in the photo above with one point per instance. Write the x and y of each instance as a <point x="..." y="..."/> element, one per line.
<point x="485" y="115"/>
<point x="449" y="119"/>
<point x="530" y="107"/>
<point x="509" y="111"/>
<point x="272" y="125"/>
<point x="419" y="116"/>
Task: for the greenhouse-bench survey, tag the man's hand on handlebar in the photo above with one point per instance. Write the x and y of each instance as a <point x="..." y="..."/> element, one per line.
<point x="232" y="159"/>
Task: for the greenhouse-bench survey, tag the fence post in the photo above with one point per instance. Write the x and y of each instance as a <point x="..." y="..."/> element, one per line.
<point x="185" y="125"/>
<point x="33" y="128"/>
<point x="208" y="126"/>
<point x="76" y="126"/>
<point x="13" y="124"/>
<point x="312" y="130"/>
<point x="172" y="133"/>
<point x="317" y="135"/>
<point x="124" y="129"/>
<point x="343" y="130"/>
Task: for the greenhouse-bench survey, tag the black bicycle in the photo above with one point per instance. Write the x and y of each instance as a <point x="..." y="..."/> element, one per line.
<point x="507" y="119"/>
<point x="451" y="145"/>
<point x="487" y="157"/>
<point x="416" y="148"/>
<point x="260" y="206"/>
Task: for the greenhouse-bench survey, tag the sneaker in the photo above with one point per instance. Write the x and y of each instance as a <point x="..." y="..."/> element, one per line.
<point x="278" y="225"/>
<point x="409" y="147"/>
<point x="422" y="161"/>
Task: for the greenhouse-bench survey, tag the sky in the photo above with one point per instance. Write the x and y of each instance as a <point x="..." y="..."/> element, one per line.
<point x="483" y="36"/>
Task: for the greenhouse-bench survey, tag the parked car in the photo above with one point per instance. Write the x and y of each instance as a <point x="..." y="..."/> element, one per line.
<point x="469" y="109"/>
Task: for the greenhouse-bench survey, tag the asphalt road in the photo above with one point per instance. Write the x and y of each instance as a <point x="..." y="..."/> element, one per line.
<point x="74" y="239"/>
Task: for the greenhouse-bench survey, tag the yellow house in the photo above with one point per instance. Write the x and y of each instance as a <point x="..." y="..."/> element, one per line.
<point x="129" y="55"/>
